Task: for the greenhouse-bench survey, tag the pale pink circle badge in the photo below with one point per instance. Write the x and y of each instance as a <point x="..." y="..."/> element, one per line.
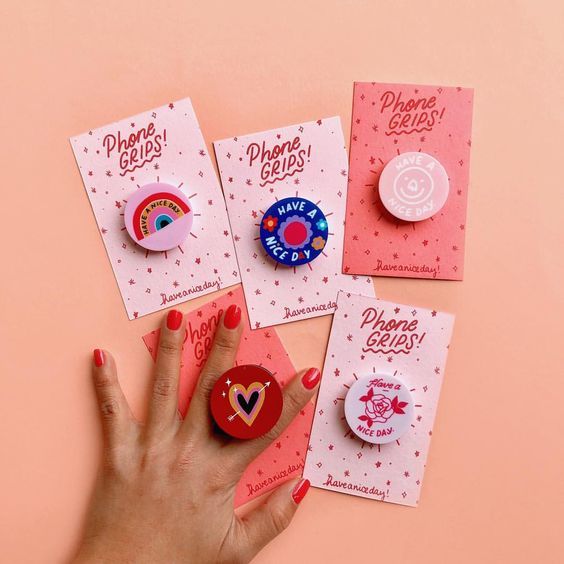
<point x="158" y="216"/>
<point x="379" y="409"/>
<point x="413" y="186"/>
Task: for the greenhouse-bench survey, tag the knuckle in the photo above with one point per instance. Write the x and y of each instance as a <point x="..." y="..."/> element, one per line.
<point x="113" y="462"/>
<point x="168" y="348"/>
<point x="271" y="435"/>
<point x="103" y="380"/>
<point x="224" y="343"/>
<point x="186" y="459"/>
<point x="220" y="479"/>
<point x="293" y="402"/>
<point x="206" y="383"/>
<point x="109" y="408"/>
<point x="154" y="462"/>
<point x="280" y="518"/>
<point x="164" y="386"/>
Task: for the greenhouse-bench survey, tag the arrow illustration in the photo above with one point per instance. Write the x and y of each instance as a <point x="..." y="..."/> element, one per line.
<point x="231" y="417"/>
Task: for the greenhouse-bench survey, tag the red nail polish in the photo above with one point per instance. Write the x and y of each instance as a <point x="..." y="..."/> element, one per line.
<point x="311" y="378"/>
<point x="174" y="319"/>
<point x="232" y="317"/>
<point x="299" y="491"/>
<point x="99" y="358"/>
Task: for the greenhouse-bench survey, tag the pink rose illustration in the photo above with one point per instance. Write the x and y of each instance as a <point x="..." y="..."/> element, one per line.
<point x="378" y="408"/>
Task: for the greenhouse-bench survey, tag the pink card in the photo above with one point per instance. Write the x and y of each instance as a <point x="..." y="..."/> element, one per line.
<point x="389" y="120"/>
<point x="307" y="161"/>
<point x="285" y="458"/>
<point x="164" y="145"/>
<point x="374" y="339"/>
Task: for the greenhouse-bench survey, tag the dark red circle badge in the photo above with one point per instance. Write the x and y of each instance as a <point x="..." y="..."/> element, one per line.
<point x="246" y="401"/>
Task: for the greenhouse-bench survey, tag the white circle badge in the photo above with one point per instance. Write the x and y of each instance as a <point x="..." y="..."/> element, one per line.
<point x="413" y="186"/>
<point x="379" y="408"/>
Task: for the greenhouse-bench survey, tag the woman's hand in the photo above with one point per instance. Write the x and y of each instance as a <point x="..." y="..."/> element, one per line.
<point x="166" y="488"/>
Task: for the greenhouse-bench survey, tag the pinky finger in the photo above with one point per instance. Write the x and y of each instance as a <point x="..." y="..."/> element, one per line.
<point x="269" y="520"/>
<point x="114" y="410"/>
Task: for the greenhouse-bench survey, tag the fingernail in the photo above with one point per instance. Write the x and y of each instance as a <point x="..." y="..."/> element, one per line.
<point x="99" y="358"/>
<point x="232" y="317"/>
<point x="300" y="489"/>
<point x="174" y="320"/>
<point x="311" y="378"/>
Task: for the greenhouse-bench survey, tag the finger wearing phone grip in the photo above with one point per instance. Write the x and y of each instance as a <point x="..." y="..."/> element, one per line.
<point x="158" y="216"/>
<point x="379" y="409"/>
<point x="294" y="231"/>
<point x="246" y="401"/>
<point x="413" y="186"/>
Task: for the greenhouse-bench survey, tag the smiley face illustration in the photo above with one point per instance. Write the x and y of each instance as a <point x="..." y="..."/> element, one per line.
<point x="413" y="186"/>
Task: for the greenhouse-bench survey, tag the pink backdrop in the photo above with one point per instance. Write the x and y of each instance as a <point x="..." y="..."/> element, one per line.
<point x="493" y="489"/>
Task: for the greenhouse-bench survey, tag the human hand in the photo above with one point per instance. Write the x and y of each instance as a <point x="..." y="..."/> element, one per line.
<point x="166" y="488"/>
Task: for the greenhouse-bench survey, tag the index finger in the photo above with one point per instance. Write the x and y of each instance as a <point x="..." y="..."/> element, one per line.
<point x="163" y="409"/>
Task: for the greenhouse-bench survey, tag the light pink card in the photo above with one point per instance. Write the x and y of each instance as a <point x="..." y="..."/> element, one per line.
<point x="389" y="119"/>
<point x="368" y="337"/>
<point x="285" y="458"/>
<point x="166" y="145"/>
<point x="308" y="160"/>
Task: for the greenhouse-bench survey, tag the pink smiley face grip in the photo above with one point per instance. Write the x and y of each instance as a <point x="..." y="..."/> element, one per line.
<point x="413" y="186"/>
<point x="158" y="216"/>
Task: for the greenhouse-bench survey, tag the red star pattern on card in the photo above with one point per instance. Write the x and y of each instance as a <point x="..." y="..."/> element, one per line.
<point x="363" y="198"/>
<point x="130" y="263"/>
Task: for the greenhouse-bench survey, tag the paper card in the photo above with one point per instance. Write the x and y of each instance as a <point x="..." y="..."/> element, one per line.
<point x="306" y="160"/>
<point x="389" y="119"/>
<point x="285" y="458"/>
<point x="161" y="145"/>
<point x="374" y="337"/>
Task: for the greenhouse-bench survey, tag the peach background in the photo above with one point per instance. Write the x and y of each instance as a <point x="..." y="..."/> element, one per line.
<point x="494" y="488"/>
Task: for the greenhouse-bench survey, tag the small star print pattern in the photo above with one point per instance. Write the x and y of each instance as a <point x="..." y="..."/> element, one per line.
<point x="389" y="119"/>
<point x="161" y="145"/>
<point x="372" y="337"/>
<point x="307" y="160"/>
<point x="284" y="459"/>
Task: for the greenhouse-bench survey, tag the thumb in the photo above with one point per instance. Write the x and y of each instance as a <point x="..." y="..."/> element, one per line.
<point x="269" y="520"/>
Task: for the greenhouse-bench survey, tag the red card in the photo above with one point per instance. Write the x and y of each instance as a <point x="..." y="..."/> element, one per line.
<point x="390" y="119"/>
<point x="285" y="458"/>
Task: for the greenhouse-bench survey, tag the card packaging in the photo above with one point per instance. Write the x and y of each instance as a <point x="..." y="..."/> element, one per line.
<point x="162" y="145"/>
<point x="388" y="120"/>
<point x="303" y="161"/>
<point x="374" y="337"/>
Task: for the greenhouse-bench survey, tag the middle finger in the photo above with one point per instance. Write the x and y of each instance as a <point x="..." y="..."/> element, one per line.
<point x="221" y="358"/>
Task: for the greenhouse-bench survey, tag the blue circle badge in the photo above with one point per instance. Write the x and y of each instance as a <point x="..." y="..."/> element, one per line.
<point x="293" y="231"/>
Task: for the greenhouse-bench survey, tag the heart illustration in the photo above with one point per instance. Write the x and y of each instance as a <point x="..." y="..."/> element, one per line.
<point x="247" y="402"/>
